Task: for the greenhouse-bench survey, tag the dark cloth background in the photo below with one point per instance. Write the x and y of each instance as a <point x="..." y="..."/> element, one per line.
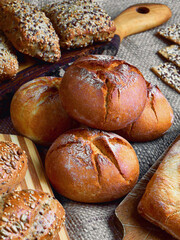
<point x="95" y="221"/>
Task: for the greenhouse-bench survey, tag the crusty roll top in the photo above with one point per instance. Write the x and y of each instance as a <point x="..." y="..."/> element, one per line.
<point x="103" y="92"/>
<point x="30" y="214"/>
<point x="92" y="166"/>
<point x="13" y="165"/>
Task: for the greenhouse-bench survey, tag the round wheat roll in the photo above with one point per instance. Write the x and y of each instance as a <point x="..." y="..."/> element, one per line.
<point x="37" y="113"/>
<point x="154" y="121"/>
<point x="103" y="92"/>
<point x="13" y="166"/>
<point x="30" y="214"/>
<point x="91" y="166"/>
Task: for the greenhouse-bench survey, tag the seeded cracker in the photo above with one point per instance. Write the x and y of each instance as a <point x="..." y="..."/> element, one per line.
<point x="168" y="73"/>
<point x="80" y="23"/>
<point x="171" y="53"/>
<point x="29" y="30"/>
<point x="171" y="33"/>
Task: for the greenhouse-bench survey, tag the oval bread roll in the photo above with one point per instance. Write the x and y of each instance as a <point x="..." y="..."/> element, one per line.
<point x="89" y="166"/>
<point x="37" y="113"/>
<point x="103" y="92"/>
<point x="30" y="214"/>
<point x="13" y="166"/>
<point x="155" y="120"/>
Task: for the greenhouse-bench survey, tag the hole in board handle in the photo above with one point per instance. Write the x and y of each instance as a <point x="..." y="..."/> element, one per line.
<point x="143" y="10"/>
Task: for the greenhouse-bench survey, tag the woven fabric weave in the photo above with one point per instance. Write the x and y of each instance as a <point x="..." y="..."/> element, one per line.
<point x="95" y="221"/>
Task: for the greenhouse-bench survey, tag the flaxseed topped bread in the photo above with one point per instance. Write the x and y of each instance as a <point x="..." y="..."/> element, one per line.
<point x="29" y="30"/>
<point x="8" y="60"/>
<point x="80" y="23"/>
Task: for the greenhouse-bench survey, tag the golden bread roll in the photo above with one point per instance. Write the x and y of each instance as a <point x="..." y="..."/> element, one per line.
<point x="29" y="30"/>
<point x="30" y="214"/>
<point x="80" y="23"/>
<point x="154" y="121"/>
<point x="37" y="113"/>
<point x="89" y="165"/>
<point x="13" y="166"/>
<point x="160" y="203"/>
<point x="103" y="92"/>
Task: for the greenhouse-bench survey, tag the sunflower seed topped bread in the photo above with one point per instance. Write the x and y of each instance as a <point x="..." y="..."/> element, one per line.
<point x="160" y="203"/>
<point x="80" y="23"/>
<point x="13" y="166"/>
<point x="103" y="92"/>
<point x="30" y="214"/>
<point x="8" y="61"/>
<point x="29" y="30"/>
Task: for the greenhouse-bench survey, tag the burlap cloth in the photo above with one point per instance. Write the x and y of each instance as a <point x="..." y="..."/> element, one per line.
<point x="95" y="221"/>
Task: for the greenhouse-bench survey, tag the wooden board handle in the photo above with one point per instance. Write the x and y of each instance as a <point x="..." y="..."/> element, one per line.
<point x="141" y="17"/>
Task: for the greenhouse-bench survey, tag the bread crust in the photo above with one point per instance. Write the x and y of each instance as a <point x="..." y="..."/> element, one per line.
<point x="160" y="203"/>
<point x="30" y="214"/>
<point x="37" y="113"/>
<point x="89" y="165"/>
<point x="103" y="92"/>
<point x="13" y="166"/>
<point x="156" y="118"/>
<point x="8" y="60"/>
<point x="80" y="23"/>
<point x="29" y="30"/>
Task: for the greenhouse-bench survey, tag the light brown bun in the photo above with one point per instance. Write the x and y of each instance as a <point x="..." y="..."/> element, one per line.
<point x="37" y="113"/>
<point x="103" y="92"/>
<point x="13" y="166"/>
<point x="89" y="165"/>
<point x="30" y="214"/>
<point x="155" y="120"/>
<point x="160" y="203"/>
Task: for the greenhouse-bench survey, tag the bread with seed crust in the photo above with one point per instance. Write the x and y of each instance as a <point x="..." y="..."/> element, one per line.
<point x="13" y="166"/>
<point x="156" y="118"/>
<point x="103" y="92"/>
<point x="89" y="165"/>
<point x="30" y="214"/>
<point x="80" y="23"/>
<point x="8" y="60"/>
<point x="29" y="30"/>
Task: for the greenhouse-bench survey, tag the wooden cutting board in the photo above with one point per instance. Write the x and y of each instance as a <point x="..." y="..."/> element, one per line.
<point x="132" y="225"/>
<point x="35" y="177"/>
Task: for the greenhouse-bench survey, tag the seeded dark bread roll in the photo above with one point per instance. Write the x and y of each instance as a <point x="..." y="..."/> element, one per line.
<point x="13" y="166"/>
<point x="30" y="214"/>
<point x="103" y="92"/>
<point x="154" y="121"/>
<point x="36" y="110"/>
<point x="8" y="60"/>
<point x="29" y="30"/>
<point x="80" y="23"/>
<point x="89" y="165"/>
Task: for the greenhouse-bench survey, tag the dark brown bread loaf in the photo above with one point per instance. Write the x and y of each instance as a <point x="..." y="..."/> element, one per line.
<point x="30" y="214"/>
<point x="154" y="121"/>
<point x="80" y="23"/>
<point x="13" y="166"/>
<point x="92" y="166"/>
<point x="29" y="30"/>
<point x="37" y="113"/>
<point x="8" y="61"/>
<point x="103" y="92"/>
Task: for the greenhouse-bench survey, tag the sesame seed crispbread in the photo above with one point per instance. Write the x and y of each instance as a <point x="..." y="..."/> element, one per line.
<point x="80" y="22"/>
<point x="8" y="61"/>
<point x="29" y="30"/>
<point x="171" y="53"/>
<point x="171" y="33"/>
<point x="168" y="73"/>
